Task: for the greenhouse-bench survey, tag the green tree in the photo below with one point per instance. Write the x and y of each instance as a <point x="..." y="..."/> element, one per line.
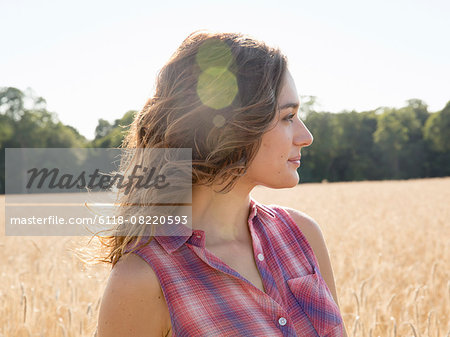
<point x="420" y="109"/>
<point x="103" y="128"/>
<point x="317" y="158"/>
<point x="114" y="134"/>
<point x="307" y="105"/>
<point x="437" y="138"/>
<point x="390" y="137"/>
<point x="437" y="130"/>
<point x="6" y="129"/>
<point x="11" y="102"/>
<point x="354" y="146"/>
<point x="30" y="125"/>
<point x="412" y="157"/>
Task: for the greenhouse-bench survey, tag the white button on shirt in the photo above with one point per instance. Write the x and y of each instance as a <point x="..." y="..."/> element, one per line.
<point x="260" y="257"/>
<point x="282" y="321"/>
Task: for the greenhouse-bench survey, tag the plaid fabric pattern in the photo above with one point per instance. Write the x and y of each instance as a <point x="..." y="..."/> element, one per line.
<point x="206" y="297"/>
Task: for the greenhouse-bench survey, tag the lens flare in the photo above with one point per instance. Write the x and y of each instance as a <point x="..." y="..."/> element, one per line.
<point x="214" y="53"/>
<point x="217" y="85"/>
<point x="218" y="121"/>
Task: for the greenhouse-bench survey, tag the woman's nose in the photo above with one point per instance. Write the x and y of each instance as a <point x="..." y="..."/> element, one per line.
<point x="303" y="137"/>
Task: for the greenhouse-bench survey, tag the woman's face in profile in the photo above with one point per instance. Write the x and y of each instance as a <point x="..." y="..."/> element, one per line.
<point x="276" y="161"/>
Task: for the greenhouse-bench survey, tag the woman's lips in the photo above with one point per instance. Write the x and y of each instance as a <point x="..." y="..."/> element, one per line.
<point x="295" y="162"/>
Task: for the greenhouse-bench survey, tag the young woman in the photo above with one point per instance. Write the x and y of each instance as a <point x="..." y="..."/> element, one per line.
<point x="247" y="269"/>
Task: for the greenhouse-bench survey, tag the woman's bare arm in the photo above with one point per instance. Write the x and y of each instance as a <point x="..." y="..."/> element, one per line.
<point x="132" y="304"/>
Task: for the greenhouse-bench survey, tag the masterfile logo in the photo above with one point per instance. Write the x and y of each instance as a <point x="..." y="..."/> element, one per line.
<point x="114" y="191"/>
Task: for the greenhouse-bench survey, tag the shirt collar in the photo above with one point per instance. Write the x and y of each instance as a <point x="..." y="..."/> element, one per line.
<point x="172" y="243"/>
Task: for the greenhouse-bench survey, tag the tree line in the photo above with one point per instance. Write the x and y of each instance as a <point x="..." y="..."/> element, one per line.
<point x="385" y="143"/>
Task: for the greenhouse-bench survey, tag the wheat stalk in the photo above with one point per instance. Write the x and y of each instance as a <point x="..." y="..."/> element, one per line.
<point x="357" y="303"/>
<point x="24" y="297"/>
<point x="429" y="322"/>
<point x="361" y="291"/>
<point x="70" y="316"/>
<point x="63" y="328"/>
<point x="413" y="329"/>
<point x="355" y="325"/>
<point x="394" y="326"/>
<point x="390" y="302"/>
<point x="89" y="309"/>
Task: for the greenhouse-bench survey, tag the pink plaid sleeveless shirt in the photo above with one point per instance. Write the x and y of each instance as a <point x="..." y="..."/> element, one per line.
<point x="206" y="297"/>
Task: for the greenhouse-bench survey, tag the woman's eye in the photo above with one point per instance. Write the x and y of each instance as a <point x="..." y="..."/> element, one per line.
<point x="290" y="117"/>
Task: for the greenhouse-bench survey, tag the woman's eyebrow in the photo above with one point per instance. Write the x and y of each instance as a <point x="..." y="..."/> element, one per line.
<point x="289" y="105"/>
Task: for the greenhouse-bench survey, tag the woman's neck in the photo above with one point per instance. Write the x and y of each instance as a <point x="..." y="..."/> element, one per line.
<point x="223" y="217"/>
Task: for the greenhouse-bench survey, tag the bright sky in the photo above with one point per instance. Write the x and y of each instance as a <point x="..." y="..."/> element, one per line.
<point x="98" y="59"/>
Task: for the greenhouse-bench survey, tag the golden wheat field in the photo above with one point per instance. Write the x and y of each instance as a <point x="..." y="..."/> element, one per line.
<point x="389" y="244"/>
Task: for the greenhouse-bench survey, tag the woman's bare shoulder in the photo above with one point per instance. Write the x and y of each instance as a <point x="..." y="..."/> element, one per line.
<point x="133" y="303"/>
<point x="312" y="232"/>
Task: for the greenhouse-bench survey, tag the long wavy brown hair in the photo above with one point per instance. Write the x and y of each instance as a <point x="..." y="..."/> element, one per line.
<point x="217" y="95"/>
